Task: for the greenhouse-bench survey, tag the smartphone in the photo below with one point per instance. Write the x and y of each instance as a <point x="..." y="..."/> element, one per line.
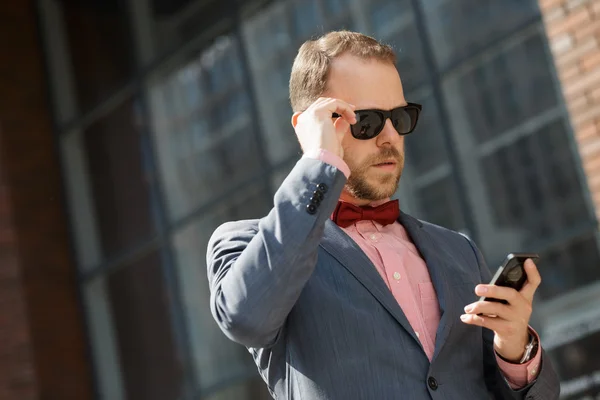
<point x="511" y="273"/>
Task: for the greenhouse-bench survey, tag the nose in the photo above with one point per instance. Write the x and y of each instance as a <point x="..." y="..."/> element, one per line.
<point x="388" y="134"/>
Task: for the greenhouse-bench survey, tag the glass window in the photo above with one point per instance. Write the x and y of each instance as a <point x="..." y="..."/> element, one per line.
<point x="119" y="180"/>
<point x="203" y="128"/>
<point x="337" y="16"/>
<point x="459" y="28"/>
<point x="306" y="19"/>
<point x="100" y="47"/>
<point x="267" y="36"/>
<point x="168" y="25"/>
<point x="333" y="8"/>
<point x="271" y="55"/>
<point x="439" y="204"/>
<point x="426" y="147"/>
<point x="522" y="178"/>
<point x="103" y="341"/>
<point x="406" y="42"/>
<point x="217" y="359"/>
<point x="577" y="364"/>
<point x="385" y="12"/>
<point x="139" y="301"/>
<point x="569" y="266"/>
<point x="506" y="90"/>
<point x="279" y="174"/>
<point x="392" y="23"/>
<point x="280" y="139"/>
<point x="534" y="183"/>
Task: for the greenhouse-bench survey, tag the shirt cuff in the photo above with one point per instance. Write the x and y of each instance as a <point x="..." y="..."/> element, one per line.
<point x="329" y="158"/>
<point x="520" y="375"/>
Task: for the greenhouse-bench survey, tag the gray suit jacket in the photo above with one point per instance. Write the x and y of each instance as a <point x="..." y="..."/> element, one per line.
<point x="321" y="323"/>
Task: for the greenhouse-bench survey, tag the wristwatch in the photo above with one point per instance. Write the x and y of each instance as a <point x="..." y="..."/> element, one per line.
<point x="530" y="349"/>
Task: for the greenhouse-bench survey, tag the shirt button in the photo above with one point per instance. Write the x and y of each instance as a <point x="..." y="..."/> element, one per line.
<point x="397" y="276"/>
<point x="373" y="237"/>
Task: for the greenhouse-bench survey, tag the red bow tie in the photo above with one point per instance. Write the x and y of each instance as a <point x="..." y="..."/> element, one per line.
<point x="345" y="214"/>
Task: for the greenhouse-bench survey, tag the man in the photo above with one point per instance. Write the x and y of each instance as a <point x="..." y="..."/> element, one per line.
<point x="336" y="293"/>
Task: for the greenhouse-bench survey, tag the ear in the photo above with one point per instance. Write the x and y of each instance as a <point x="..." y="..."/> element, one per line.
<point x="295" y="118"/>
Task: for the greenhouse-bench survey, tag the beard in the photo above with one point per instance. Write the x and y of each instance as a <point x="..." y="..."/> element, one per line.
<point x="382" y="185"/>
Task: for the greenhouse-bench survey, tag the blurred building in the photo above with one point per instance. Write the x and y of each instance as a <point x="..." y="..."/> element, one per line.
<point x="130" y="129"/>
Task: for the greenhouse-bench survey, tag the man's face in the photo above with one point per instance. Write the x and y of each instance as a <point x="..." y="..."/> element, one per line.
<point x="375" y="164"/>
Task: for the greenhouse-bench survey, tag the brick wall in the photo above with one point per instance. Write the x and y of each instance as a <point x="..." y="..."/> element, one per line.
<point x="42" y="340"/>
<point x="17" y="378"/>
<point x="573" y="28"/>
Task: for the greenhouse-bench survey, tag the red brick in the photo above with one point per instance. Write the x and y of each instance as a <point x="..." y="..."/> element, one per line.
<point x="593" y="180"/>
<point x="596" y="197"/>
<point x="578" y="104"/>
<point x="590" y="46"/>
<point x="592" y="167"/>
<point x="569" y="73"/>
<point x="575" y="4"/>
<point x="42" y="338"/>
<point x="594" y="96"/>
<point x="586" y="132"/>
<point x="579" y="86"/>
<point x="562" y="43"/>
<point x="554" y="14"/>
<point x="549" y="5"/>
<point x="590" y="61"/>
<point x="591" y="149"/>
<point x="596" y="8"/>
<point x="587" y="30"/>
<point x="573" y="20"/>
<point x="585" y="116"/>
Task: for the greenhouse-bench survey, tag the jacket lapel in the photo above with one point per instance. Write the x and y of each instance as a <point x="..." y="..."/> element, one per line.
<point x="337" y="243"/>
<point x="438" y="261"/>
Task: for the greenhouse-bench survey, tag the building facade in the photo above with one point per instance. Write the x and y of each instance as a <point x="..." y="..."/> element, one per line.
<point x="131" y="129"/>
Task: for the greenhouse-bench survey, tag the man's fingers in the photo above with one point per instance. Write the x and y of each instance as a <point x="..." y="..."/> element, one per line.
<point x="511" y="295"/>
<point x="488" y="308"/>
<point x="498" y="292"/>
<point x="498" y="325"/>
<point x="341" y="126"/>
<point x="491" y="323"/>
<point x="336" y="106"/>
<point x="533" y="280"/>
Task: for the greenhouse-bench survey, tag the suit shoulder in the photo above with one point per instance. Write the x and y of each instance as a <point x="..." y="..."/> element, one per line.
<point x="454" y="237"/>
<point x="438" y="229"/>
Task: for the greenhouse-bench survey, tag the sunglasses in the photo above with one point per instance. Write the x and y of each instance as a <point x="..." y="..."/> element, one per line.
<point x="370" y="123"/>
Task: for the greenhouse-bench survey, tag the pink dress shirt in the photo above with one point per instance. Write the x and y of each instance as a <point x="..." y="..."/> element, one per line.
<point x="406" y="275"/>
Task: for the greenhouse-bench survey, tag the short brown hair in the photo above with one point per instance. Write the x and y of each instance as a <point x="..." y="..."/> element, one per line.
<point x="308" y="80"/>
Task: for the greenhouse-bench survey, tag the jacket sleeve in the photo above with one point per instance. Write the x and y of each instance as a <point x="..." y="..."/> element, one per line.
<point x="547" y="384"/>
<point x="257" y="270"/>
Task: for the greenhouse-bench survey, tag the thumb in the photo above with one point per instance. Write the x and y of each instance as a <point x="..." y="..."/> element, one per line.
<point x="341" y="127"/>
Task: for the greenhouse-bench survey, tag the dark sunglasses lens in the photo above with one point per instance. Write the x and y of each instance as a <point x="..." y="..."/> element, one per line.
<point x="368" y="124"/>
<point x="405" y="119"/>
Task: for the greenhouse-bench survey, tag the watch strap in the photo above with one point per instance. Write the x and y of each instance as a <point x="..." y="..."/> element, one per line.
<point x="530" y="349"/>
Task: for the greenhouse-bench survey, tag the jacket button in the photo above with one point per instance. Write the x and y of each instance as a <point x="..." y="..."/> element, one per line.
<point x="322" y="187"/>
<point x="432" y="383"/>
<point x="315" y="200"/>
<point x="311" y="209"/>
<point x="317" y="195"/>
